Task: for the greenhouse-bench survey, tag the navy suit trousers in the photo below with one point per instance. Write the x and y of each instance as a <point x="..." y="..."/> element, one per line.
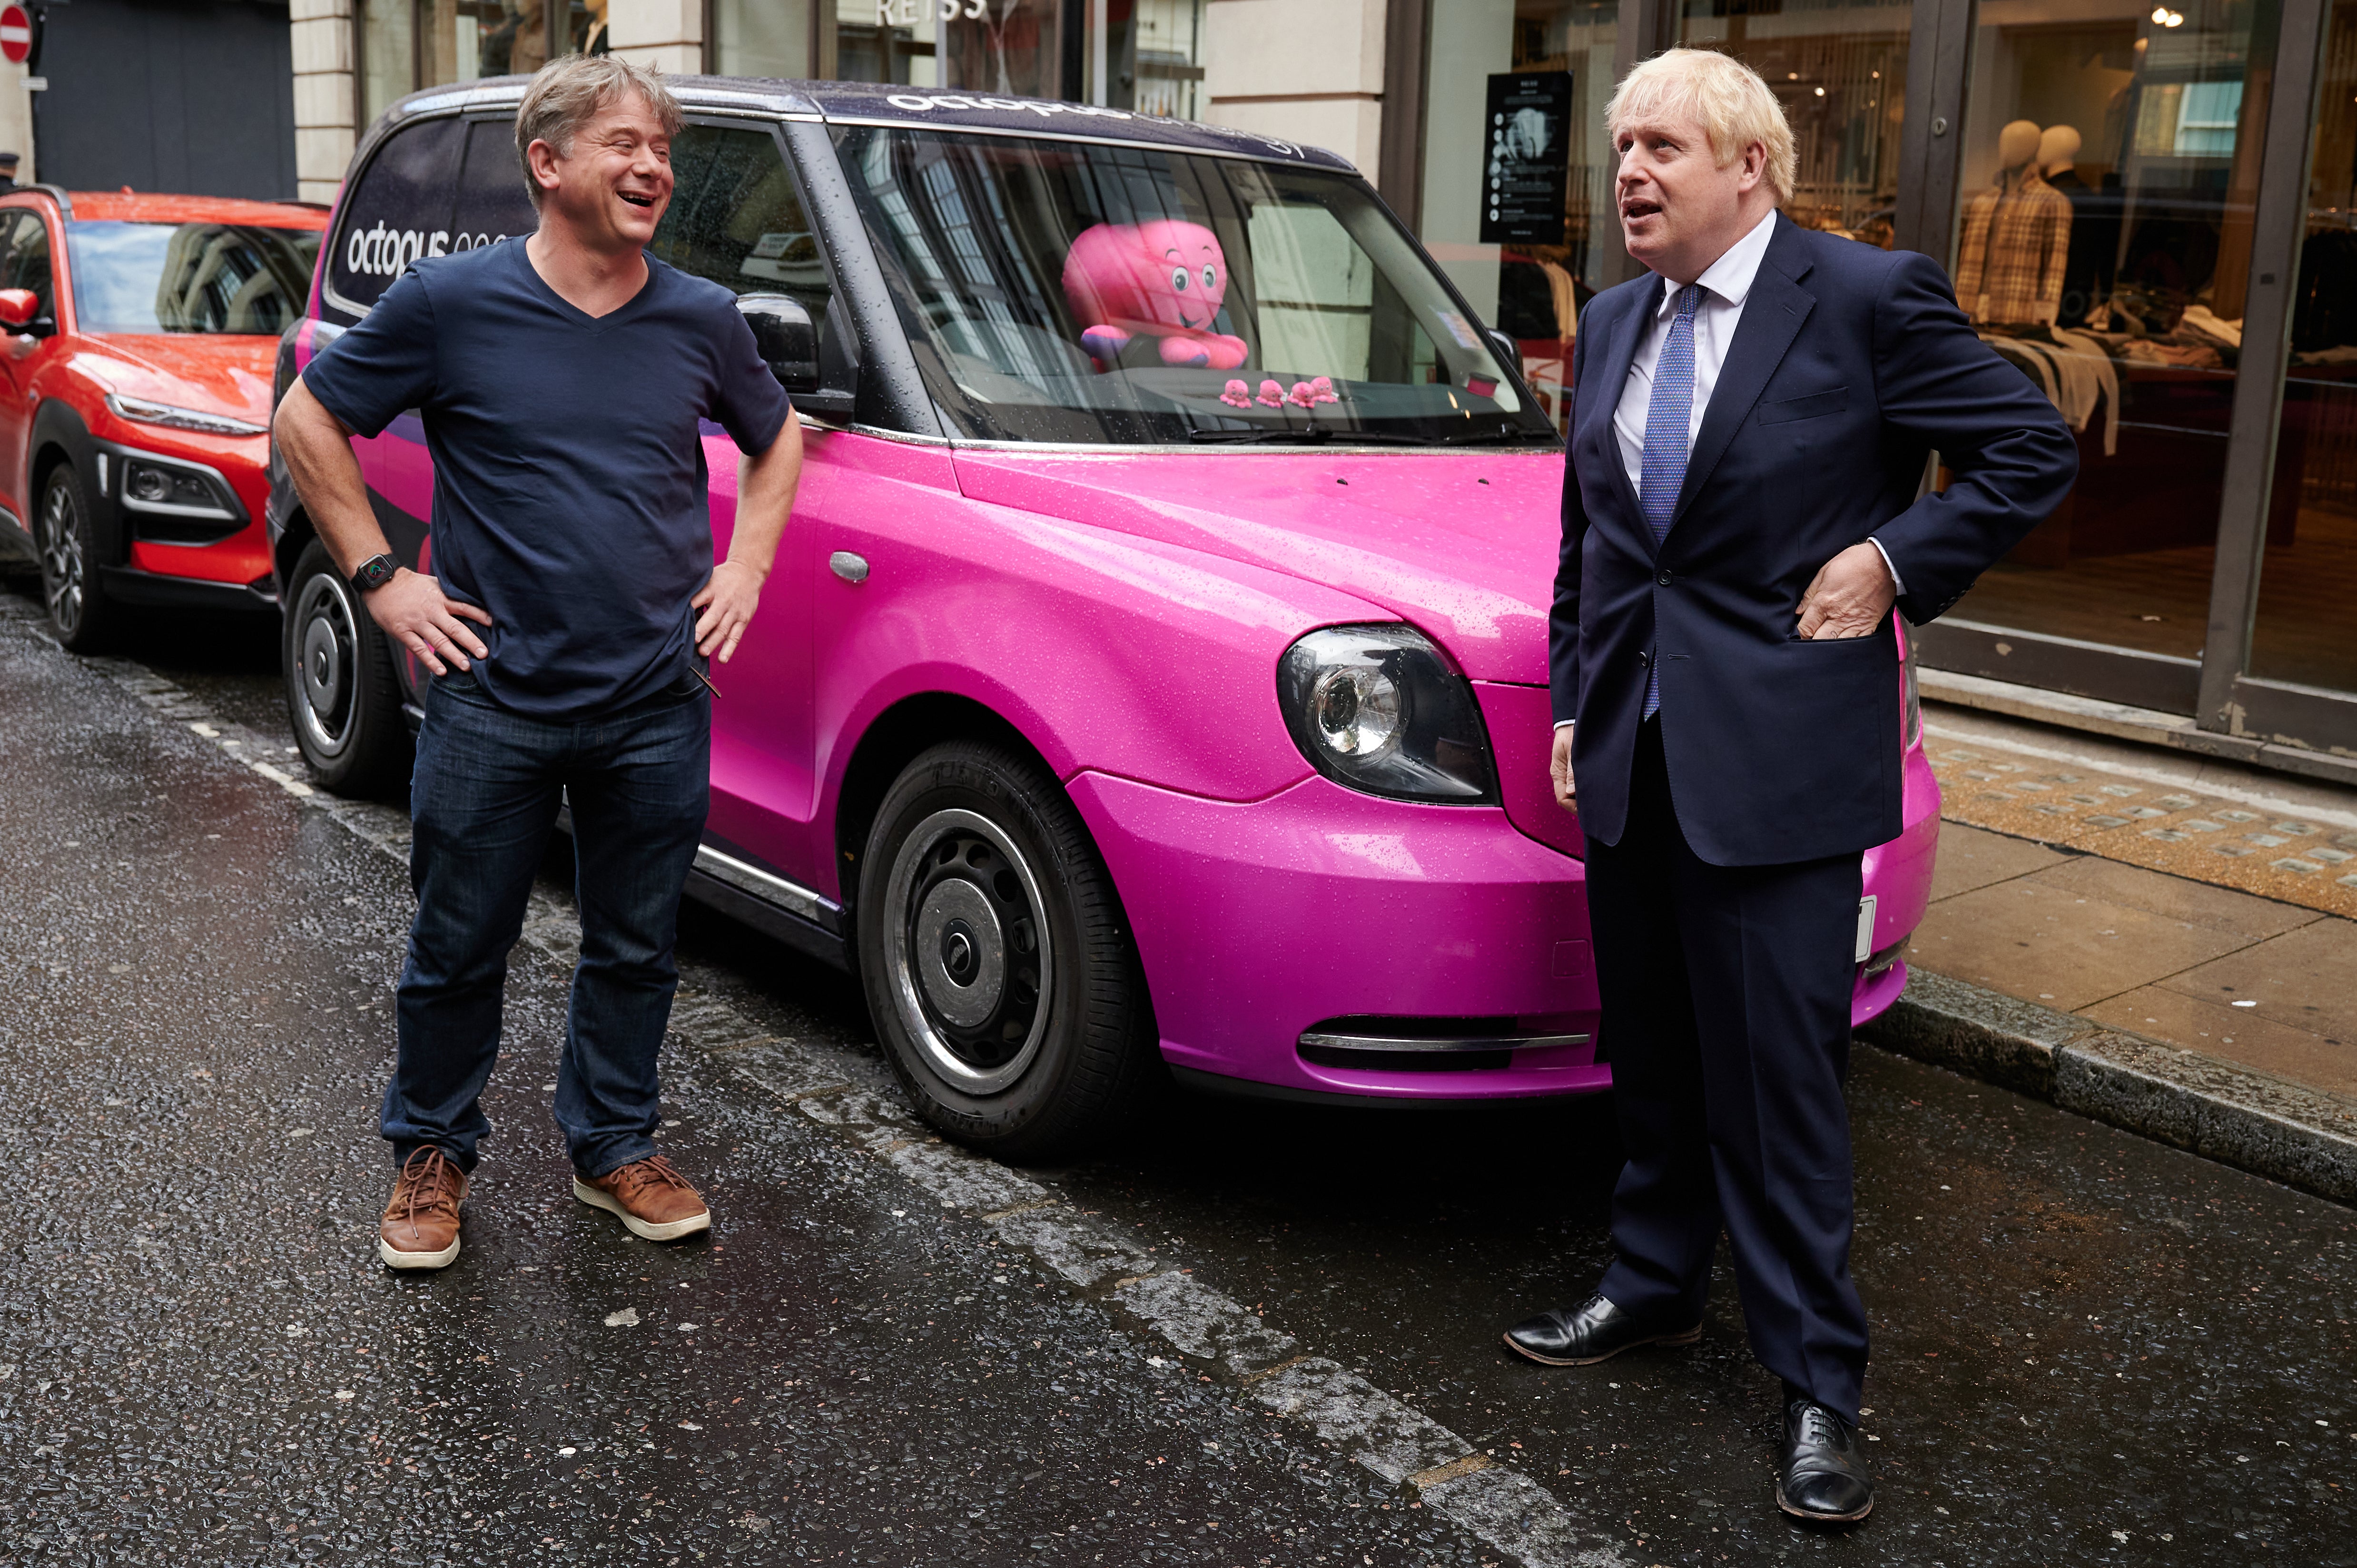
<point x="1726" y="1016"/>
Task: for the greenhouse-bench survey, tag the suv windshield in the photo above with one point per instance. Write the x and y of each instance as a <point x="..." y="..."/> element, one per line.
<point x="188" y="277"/>
<point x="1070" y="292"/>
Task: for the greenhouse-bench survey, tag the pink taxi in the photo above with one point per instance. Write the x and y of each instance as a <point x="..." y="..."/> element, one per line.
<point x="1154" y="674"/>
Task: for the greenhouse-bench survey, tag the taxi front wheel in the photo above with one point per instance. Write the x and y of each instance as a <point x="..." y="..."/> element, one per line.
<point x="997" y="959"/>
<point x="342" y="697"/>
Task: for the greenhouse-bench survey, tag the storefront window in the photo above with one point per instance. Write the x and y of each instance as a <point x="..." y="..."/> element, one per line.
<point x="1517" y="169"/>
<point x="465" y="40"/>
<point x="2308" y="583"/>
<point x="406" y="45"/>
<point x="2111" y="164"/>
<point x="763" y="38"/>
<point x="1006" y="47"/>
<point x="895" y="41"/>
<point x="1840" y="71"/>
<point x="388" y="38"/>
<point x="1153" y="56"/>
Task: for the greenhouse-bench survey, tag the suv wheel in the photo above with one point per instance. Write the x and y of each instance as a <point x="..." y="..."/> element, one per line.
<point x="79" y="609"/>
<point x="341" y="694"/>
<point x="997" y="963"/>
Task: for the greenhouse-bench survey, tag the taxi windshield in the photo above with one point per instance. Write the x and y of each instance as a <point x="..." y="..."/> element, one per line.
<point x="188" y="277"/>
<point x="1072" y="292"/>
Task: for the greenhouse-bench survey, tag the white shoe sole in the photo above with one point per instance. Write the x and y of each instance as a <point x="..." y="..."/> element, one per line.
<point x="396" y="1259"/>
<point x="638" y="1227"/>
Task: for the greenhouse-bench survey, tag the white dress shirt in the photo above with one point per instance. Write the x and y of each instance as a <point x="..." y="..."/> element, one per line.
<point x="1726" y="284"/>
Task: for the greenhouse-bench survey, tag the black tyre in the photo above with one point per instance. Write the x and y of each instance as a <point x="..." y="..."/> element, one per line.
<point x="997" y="963"/>
<point x="72" y="554"/>
<point x="342" y="695"/>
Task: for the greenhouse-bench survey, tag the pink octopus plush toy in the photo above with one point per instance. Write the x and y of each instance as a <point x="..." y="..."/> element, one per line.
<point x="1163" y="279"/>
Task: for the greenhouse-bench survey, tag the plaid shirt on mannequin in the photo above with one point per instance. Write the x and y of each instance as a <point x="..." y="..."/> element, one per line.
<point x="2016" y="241"/>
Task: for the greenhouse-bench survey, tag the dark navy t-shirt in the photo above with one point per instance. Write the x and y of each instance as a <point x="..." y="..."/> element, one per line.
<point x="569" y="482"/>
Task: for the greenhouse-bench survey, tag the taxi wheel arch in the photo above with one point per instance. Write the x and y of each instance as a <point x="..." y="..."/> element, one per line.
<point x="1050" y="1044"/>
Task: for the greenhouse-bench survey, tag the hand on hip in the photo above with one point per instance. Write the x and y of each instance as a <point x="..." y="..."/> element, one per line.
<point x="1848" y="596"/>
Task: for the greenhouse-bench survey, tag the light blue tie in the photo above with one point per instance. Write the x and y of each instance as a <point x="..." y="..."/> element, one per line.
<point x="1669" y="424"/>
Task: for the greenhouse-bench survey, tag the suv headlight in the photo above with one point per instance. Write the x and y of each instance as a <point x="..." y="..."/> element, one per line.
<point x="1381" y="709"/>
<point x="172" y="491"/>
<point x="146" y="413"/>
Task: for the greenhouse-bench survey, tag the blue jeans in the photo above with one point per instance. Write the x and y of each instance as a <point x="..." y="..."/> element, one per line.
<point x="483" y="801"/>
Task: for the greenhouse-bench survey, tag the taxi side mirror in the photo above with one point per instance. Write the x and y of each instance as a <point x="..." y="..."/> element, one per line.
<point x="17" y="307"/>
<point x="785" y="335"/>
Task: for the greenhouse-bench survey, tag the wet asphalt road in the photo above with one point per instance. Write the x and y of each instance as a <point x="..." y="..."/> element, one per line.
<point x="2090" y="1348"/>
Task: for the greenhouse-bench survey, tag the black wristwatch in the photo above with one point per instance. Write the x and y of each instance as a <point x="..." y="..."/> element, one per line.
<point x="375" y="572"/>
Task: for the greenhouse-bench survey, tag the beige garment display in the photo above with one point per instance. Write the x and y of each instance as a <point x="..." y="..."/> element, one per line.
<point x="2016" y="241"/>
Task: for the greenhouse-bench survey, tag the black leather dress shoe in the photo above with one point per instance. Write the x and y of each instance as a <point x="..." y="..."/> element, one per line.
<point x="1820" y="1475"/>
<point x="1593" y="1331"/>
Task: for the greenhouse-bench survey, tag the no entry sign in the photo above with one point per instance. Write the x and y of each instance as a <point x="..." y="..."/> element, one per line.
<point x="15" y="34"/>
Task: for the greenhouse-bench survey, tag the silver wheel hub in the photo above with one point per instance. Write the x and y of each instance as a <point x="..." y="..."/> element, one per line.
<point x="961" y="954"/>
<point x="327" y="688"/>
<point x="62" y="562"/>
<point x="968" y="951"/>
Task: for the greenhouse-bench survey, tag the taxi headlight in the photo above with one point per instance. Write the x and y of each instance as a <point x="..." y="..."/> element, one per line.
<point x="1379" y="708"/>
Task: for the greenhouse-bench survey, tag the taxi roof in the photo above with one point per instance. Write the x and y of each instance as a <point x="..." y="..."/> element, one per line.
<point x="864" y="103"/>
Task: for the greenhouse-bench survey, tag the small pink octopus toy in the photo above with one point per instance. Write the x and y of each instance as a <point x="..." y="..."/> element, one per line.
<point x="1164" y="279"/>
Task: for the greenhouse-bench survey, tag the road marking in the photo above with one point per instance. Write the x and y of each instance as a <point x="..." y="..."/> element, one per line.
<point x="853" y="1097"/>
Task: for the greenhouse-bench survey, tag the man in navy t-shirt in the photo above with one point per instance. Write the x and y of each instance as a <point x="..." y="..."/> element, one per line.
<point x="572" y="604"/>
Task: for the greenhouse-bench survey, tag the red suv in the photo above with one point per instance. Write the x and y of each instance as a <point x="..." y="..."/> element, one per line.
<point x="135" y="416"/>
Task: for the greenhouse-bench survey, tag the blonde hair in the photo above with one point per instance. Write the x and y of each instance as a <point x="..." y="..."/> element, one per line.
<point x="566" y="94"/>
<point x="1720" y="93"/>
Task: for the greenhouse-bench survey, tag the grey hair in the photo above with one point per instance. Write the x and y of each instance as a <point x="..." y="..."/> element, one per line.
<point x="566" y="94"/>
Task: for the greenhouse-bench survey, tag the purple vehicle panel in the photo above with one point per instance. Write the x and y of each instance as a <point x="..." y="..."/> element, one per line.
<point x="1234" y="564"/>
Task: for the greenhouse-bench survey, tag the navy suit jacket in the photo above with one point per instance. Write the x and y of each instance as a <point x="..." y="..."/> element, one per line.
<point x="1849" y="366"/>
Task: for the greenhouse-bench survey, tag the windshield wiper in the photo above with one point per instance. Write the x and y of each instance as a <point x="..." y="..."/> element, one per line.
<point x="1488" y="437"/>
<point x="1308" y="435"/>
<point x="1320" y="434"/>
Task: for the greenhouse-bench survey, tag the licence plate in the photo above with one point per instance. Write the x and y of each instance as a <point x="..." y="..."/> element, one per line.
<point x="1865" y="928"/>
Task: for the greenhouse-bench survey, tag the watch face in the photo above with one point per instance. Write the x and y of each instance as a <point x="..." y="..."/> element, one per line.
<point x="378" y="571"/>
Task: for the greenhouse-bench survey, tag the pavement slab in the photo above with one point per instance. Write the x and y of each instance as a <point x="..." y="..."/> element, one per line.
<point x="2302" y="1055"/>
<point x="1974" y="858"/>
<point x="2306" y="978"/>
<point x="2032" y="940"/>
<point x="2203" y="835"/>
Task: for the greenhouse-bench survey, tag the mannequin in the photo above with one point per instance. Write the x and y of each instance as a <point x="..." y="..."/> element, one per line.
<point x="2017" y="235"/>
<point x="2086" y="284"/>
<point x="2058" y="154"/>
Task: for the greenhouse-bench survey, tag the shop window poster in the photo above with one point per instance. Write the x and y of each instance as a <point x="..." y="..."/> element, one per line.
<point x="1529" y="158"/>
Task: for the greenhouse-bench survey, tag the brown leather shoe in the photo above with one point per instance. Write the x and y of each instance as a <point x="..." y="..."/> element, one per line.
<point x="653" y="1199"/>
<point x="420" y="1228"/>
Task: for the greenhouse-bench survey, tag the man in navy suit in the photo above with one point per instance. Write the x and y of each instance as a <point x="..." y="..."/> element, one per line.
<point x="1742" y="508"/>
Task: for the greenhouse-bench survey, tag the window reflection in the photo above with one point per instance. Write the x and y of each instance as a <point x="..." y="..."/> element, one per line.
<point x="406" y="45"/>
<point x="189" y="278"/>
<point x="1840" y="71"/>
<point x="1531" y="290"/>
<point x="2111" y="164"/>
